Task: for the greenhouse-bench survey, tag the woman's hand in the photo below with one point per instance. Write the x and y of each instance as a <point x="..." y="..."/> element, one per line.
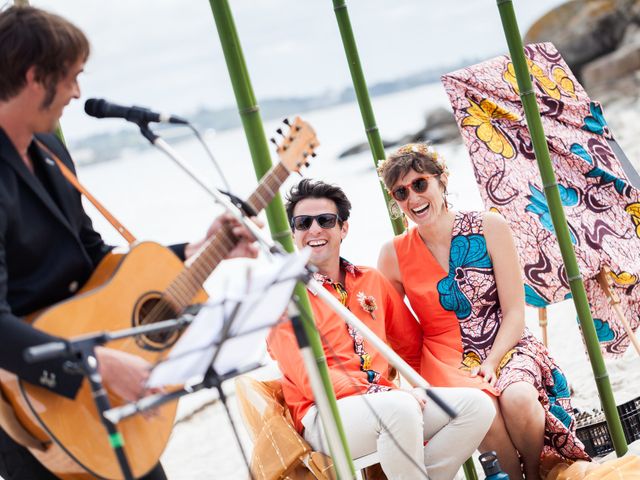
<point x="487" y="370"/>
<point x="420" y="395"/>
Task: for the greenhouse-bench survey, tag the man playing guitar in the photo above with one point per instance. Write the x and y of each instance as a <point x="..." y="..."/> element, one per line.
<point x="48" y="247"/>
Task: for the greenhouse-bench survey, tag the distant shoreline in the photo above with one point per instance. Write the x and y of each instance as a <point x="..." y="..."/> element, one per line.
<point x="102" y="147"/>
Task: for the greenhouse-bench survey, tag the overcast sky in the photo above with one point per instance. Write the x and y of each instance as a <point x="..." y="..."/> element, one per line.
<point x="166" y="54"/>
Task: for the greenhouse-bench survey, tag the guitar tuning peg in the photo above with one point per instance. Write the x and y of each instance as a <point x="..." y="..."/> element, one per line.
<point x="305" y="154"/>
<point x="286" y="122"/>
<point x="280" y="131"/>
<point x="298" y="128"/>
<point x="312" y="145"/>
<point x="284" y="147"/>
<point x="307" y="164"/>
<point x="273" y="140"/>
<point x="313" y="155"/>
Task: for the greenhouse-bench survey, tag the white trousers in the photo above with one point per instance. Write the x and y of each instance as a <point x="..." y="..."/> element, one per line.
<point x="398" y="430"/>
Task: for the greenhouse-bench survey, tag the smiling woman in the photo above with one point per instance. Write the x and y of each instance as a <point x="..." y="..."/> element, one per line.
<point x="461" y="274"/>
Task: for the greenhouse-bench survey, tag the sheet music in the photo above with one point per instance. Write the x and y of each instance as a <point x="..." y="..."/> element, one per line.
<point x="252" y="298"/>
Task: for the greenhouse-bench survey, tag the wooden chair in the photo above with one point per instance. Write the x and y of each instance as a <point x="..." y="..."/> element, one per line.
<point x="279" y="452"/>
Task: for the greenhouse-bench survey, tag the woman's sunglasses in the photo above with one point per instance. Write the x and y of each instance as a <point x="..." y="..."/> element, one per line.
<point x="304" y="222"/>
<point x="418" y="185"/>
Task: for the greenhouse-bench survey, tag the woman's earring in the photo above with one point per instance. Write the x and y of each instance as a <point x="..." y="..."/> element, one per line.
<point x="395" y="211"/>
<point x="444" y="199"/>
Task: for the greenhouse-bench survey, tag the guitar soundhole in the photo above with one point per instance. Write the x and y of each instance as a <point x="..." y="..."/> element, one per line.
<point x="153" y="308"/>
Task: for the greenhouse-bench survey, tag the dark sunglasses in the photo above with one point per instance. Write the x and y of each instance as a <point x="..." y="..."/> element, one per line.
<point x="418" y="185"/>
<point x="304" y="222"/>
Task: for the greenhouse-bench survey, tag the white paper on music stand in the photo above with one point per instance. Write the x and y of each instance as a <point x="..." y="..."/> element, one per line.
<point x="260" y="292"/>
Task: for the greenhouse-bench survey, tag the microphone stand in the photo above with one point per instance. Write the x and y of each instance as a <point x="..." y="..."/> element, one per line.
<point x="341" y="462"/>
<point x="81" y="352"/>
<point x="219" y="197"/>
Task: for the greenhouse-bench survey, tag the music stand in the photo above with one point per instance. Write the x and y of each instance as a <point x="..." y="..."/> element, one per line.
<point x="219" y="342"/>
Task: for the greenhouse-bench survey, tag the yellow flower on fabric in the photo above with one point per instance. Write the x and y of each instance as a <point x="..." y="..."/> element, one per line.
<point x="563" y="80"/>
<point x="470" y="360"/>
<point x="624" y="278"/>
<point x="505" y="360"/>
<point x="484" y="117"/>
<point x="633" y="209"/>
<point x="365" y="361"/>
<point x="550" y="87"/>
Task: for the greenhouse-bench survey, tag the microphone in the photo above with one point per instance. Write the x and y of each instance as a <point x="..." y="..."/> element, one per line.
<point x="100" y="108"/>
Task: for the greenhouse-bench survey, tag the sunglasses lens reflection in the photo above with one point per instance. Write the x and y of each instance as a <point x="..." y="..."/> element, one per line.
<point x="325" y="220"/>
<point x="401" y="194"/>
<point x="419" y="185"/>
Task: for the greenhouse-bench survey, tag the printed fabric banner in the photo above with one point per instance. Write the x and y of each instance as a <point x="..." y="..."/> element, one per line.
<point x="601" y="205"/>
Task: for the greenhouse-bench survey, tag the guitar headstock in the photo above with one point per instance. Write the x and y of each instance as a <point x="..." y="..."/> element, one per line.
<point x="297" y="146"/>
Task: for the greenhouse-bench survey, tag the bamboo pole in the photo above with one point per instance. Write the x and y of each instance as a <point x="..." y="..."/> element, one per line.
<point x="469" y="470"/>
<point x="371" y="129"/>
<point x="252" y="124"/>
<point x="364" y="102"/>
<point x="541" y="150"/>
<point x="543" y="322"/>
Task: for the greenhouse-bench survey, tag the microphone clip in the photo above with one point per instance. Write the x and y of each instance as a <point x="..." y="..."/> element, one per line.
<point x="247" y="209"/>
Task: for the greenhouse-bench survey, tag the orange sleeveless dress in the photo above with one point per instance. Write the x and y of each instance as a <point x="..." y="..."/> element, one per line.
<point x="460" y="315"/>
<point x="442" y="348"/>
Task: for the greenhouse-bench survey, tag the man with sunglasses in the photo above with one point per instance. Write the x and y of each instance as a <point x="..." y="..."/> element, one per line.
<point x="376" y="414"/>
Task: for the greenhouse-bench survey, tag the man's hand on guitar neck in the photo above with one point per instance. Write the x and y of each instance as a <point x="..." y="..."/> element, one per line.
<point x="245" y="247"/>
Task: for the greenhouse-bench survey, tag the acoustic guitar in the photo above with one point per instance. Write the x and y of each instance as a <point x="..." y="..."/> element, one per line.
<point x="146" y="285"/>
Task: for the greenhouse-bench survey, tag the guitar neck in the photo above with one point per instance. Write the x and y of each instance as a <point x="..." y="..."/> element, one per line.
<point x="218" y="247"/>
<point x="268" y="187"/>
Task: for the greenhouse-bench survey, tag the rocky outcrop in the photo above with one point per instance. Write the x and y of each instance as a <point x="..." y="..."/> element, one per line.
<point x="584" y="30"/>
<point x="617" y="73"/>
<point x="599" y="40"/>
<point x="439" y="127"/>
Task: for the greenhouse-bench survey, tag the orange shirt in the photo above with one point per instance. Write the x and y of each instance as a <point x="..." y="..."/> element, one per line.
<point x="391" y="321"/>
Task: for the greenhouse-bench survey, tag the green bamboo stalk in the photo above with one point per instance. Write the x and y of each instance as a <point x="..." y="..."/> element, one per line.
<point x="556" y="210"/>
<point x="469" y="470"/>
<point x="60" y="134"/>
<point x="371" y="128"/>
<point x="364" y="102"/>
<point x="252" y="123"/>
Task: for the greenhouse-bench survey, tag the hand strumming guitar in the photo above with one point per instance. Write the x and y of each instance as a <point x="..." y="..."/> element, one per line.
<point x="245" y="247"/>
<point x="123" y="374"/>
